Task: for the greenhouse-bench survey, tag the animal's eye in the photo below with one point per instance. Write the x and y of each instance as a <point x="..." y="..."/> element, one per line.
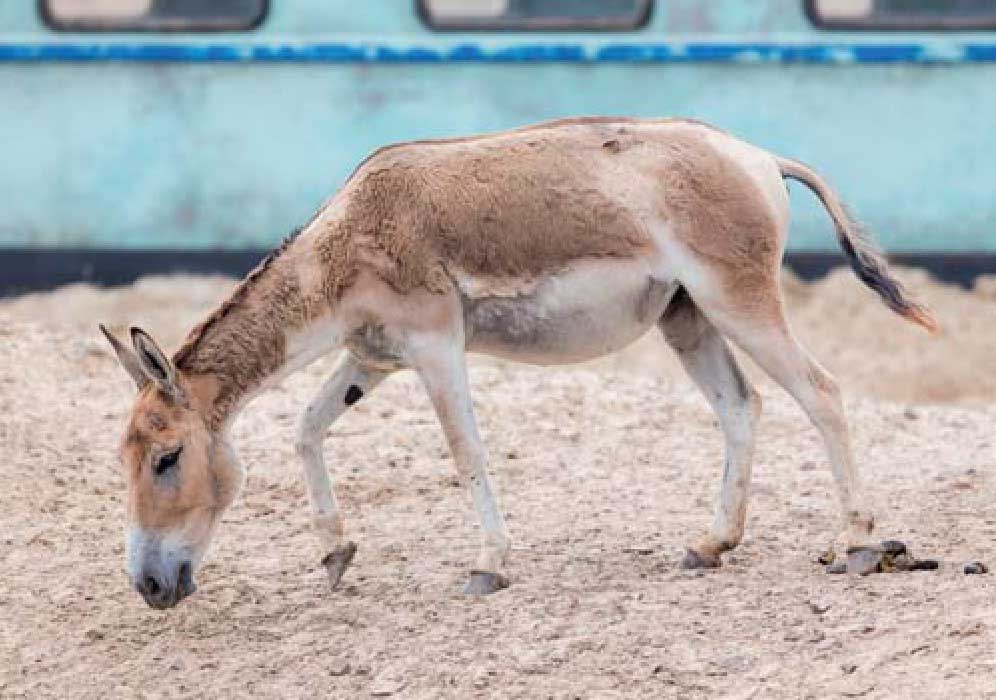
<point x="167" y="461"/>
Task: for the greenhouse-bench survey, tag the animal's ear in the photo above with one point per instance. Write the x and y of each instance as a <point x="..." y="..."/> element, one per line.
<point x="156" y="365"/>
<point x="127" y="358"/>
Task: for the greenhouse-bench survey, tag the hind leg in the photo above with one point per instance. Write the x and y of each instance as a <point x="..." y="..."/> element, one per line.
<point x="711" y="365"/>
<point x="756" y="322"/>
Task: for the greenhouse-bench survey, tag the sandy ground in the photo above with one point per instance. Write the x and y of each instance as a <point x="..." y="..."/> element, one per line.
<point x="604" y="472"/>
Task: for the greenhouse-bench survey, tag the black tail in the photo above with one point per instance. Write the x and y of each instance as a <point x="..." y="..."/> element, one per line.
<point x="865" y="258"/>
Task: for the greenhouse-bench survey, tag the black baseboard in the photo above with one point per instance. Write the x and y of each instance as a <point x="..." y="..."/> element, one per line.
<point x="956" y="268"/>
<point x="27" y="270"/>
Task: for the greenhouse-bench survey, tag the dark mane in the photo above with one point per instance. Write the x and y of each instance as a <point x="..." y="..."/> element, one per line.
<point x="183" y="355"/>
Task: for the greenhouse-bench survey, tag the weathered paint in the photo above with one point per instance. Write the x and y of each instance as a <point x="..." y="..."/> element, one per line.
<point x="228" y="140"/>
<point x="440" y="51"/>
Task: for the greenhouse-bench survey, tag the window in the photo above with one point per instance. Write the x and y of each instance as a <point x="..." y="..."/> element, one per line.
<point x="535" y="15"/>
<point x="902" y="14"/>
<point x="152" y="15"/>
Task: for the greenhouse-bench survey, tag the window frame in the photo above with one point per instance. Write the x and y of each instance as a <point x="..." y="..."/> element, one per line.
<point x="909" y="23"/>
<point x="73" y="26"/>
<point x="639" y="21"/>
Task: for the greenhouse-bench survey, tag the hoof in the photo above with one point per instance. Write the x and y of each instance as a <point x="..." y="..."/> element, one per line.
<point x="484" y="583"/>
<point x="694" y="560"/>
<point x="336" y="562"/>
<point x="838" y="568"/>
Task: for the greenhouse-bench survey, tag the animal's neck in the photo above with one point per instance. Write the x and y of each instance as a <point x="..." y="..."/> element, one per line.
<point x="243" y="344"/>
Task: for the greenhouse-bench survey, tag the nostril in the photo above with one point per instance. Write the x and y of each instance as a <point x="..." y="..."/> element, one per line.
<point x="151" y="587"/>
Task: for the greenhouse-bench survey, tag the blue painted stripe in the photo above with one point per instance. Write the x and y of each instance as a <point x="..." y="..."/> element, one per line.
<point x="371" y="52"/>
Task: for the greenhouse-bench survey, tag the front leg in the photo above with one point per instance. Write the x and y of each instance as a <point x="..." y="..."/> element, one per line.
<point x="349" y="382"/>
<point x="442" y="367"/>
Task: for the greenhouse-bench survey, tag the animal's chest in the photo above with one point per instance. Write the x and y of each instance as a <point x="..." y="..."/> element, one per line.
<point x="593" y="309"/>
<point x="375" y="347"/>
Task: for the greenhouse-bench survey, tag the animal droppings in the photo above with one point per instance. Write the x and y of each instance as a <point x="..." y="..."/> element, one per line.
<point x="890" y="556"/>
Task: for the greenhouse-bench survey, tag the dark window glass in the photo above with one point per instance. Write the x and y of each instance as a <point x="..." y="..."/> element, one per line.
<point x="903" y="14"/>
<point x="152" y="15"/>
<point x="536" y="15"/>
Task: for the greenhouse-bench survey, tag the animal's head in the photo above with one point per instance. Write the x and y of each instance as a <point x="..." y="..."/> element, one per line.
<point x="181" y="474"/>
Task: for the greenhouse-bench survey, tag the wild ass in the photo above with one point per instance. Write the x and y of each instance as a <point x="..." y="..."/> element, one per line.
<point x="548" y="244"/>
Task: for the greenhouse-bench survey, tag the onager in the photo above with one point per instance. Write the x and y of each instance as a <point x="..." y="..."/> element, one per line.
<point x="548" y="244"/>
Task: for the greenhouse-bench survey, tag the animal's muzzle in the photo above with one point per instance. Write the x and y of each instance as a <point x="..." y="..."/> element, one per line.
<point x="161" y="590"/>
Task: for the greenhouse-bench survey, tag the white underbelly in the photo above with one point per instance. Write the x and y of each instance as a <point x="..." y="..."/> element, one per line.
<point x="592" y="309"/>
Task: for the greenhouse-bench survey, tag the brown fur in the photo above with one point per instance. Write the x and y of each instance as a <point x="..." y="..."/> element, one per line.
<point x="157" y="426"/>
<point x="250" y="325"/>
<point x="620" y="124"/>
<point x="517" y="204"/>
<point x="503" y="208"/>
<point x="198" y="333"/>
<point x="486" y="216"/>
<point x="720" y="214"/>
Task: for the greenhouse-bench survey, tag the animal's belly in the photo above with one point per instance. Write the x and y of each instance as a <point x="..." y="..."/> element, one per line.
<point x="588" y="311"/>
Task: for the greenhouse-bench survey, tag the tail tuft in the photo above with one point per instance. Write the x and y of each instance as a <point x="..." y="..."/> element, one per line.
<point x="870" y="267"/>
<point x="865" y="258"/>
<point x="922" y="316"/>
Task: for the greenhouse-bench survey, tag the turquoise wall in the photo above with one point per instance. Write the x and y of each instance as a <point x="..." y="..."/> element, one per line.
<point x="229" y="140"/>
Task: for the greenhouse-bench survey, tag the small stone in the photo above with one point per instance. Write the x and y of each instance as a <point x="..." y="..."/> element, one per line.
<point x="838" y="568"/>
<point x="748" y="693"/>
<point x="976" y="567"/>
<point x="911" y="414"/>
<point x="339" y="667"/>
<point x="848" y="668"/>
<point x="387" y="684"/>
<point x="818" y="608"/>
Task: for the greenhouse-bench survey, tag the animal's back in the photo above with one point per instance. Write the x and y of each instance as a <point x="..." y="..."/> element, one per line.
<point x="513" y="204"/>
